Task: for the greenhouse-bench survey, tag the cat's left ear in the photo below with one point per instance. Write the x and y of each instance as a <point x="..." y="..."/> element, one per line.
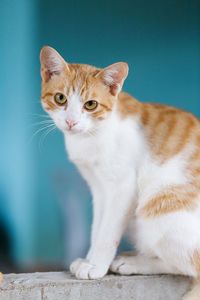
<point x="114" y="75"/>
<point x="51" y="63"/>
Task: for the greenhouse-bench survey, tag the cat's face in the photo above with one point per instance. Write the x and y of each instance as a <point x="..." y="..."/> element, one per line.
<point x="78" y="97"/>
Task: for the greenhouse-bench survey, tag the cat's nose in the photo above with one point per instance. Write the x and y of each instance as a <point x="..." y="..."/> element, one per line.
<point x="71" y="124"/>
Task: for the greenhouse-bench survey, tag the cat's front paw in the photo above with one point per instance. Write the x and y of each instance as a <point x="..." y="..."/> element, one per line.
<point x="75" y="264"/>
<point x="124" y="265"/>
<point x="87" y="270"/>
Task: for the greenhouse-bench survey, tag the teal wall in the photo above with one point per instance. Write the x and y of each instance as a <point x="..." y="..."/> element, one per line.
<point x="43" y="201"/>
<point x="18" y="86"/>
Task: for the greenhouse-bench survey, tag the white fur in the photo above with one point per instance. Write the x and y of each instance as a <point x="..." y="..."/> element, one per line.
<point x="116" y="163"/>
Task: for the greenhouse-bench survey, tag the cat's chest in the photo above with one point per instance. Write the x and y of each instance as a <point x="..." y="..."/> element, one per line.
<point x="113" y="151"/>
<point x="102" y="152"/>
<point x="83" y="150"/>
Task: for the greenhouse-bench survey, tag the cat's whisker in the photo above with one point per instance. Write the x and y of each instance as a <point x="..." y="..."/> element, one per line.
<point x="39" y="130"/>
<point x="44" y="135"/>
<point x="91" y="134"/>
<point x="93" y="131"/>
<point x="43" y="122"/>
<point x="39" y="115"/>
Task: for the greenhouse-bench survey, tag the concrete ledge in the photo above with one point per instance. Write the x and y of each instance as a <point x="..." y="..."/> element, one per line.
<point x="61" y="286"/>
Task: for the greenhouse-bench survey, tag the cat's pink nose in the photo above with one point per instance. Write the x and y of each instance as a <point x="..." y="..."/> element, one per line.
<point x="71" y="123"/>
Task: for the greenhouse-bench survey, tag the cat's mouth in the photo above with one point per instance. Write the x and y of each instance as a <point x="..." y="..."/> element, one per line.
<point x="72" y="130"/>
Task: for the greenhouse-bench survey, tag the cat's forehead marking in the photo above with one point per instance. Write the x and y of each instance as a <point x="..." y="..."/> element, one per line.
<point x="80" y="80"/>
<point x="78" y="90"/>
<point x="74" y="95"/>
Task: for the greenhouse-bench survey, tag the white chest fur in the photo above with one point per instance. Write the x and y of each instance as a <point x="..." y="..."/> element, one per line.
<point x="115" y="149"/>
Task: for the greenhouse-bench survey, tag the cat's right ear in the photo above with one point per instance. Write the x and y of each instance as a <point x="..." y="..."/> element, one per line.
<point x="51" y="63"/>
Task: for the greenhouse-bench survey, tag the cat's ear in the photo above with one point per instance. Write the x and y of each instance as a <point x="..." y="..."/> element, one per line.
<point x="114" y="75"/>
<point x="51" y="63"/>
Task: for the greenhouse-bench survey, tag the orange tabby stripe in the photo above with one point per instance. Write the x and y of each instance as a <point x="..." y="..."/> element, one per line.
<point x="46" y="95"/>
<point x="168" y="202"/>
<point x="185" y="135"/>
<point x="106" y="107"/>
<point x="82" y="91"/>
<point x="50" y="105"/>
<point x="168" y="130"/>
<point x="167" y="139"/>
<point x="145" y="115"/>
<point x="100" y="114"/>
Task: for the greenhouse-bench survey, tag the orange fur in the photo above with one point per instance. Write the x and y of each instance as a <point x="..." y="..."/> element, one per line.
<point x="170" y="200"/>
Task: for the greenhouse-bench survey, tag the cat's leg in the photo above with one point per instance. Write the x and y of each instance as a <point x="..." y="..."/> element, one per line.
<point x="97" y="217"/>
<point x="118" y="208"/>
<point x="140" y="264"/>
<point x="173" y="239"/>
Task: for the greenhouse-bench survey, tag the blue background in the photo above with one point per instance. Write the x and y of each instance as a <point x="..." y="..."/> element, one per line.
<point x="44" y="204"/>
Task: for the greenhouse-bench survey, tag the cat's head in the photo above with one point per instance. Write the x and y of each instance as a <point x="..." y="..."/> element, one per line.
<point x="78" y="97"/>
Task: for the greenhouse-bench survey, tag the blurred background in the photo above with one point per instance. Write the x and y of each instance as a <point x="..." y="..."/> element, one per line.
<point x="45" y="206"/>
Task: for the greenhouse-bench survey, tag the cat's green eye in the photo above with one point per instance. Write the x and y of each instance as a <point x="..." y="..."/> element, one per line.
<point x="90" y="105"/>
<point x="60" y="98"/>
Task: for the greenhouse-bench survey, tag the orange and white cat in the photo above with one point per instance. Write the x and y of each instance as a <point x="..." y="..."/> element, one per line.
<point x="141" y="162"/>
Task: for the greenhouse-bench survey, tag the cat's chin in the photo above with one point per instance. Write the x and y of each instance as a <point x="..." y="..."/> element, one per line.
<point x="73" y="131"/>
<point x="76" y="131"/>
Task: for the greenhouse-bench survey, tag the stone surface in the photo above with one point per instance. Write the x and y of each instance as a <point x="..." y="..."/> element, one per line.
<point x="61" y="285"/>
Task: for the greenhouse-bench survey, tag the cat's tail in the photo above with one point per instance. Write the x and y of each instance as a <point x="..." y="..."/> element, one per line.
<point x="194" y="293"/>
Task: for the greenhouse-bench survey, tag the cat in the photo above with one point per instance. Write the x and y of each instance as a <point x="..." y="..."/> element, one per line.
<point x="141" y="162"/>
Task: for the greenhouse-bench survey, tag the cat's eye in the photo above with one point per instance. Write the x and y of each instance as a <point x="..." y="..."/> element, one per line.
<point x="90" y="105"/>
<point x="60" y="98"/>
